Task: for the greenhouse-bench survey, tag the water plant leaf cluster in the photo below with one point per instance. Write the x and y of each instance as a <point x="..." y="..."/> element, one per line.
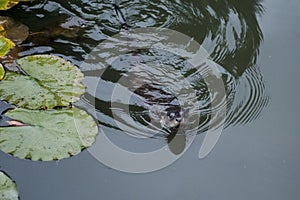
<point x="45" y="125"/>
<point x="8" y="189"/>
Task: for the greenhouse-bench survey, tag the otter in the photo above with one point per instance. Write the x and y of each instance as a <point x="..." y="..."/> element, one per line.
<point x="173" y="117"/>
<point x="163" y="106"/>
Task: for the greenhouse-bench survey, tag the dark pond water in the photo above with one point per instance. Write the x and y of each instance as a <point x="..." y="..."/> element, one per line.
<point x="130" y="81"/>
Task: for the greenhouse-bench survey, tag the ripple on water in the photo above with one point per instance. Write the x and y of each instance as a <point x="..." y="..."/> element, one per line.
<point x="153" y="80"/>
<point x="229" y="33"/>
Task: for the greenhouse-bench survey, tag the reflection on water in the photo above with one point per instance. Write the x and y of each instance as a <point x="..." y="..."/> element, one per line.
<point x="228" y="30"/>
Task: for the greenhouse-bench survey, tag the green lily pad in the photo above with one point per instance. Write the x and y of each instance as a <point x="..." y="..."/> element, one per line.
<point x="52" y="82"/>
<point x="8" y="189"/>
<point x="48" y="135"/>
<point x="5" y="45"/>
<point x="7" y="4"/>
<point x="2" y="72"/>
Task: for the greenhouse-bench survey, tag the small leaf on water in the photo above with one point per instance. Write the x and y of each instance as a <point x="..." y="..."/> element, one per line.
<point x="2" y="72"/>
<point x="13" y="30"/>
<point x="2" y="30"/>
<point x="7" y="4"/>
<point x="8" y="189"/>
<point x="5" y="45"/>
<point x="49" y="135"/>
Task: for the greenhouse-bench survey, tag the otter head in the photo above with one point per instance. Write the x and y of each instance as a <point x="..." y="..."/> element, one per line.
<point x="173" y="117"/>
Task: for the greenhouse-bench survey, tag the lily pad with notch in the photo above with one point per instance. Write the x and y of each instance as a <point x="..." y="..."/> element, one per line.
<point x="48" y="134"/>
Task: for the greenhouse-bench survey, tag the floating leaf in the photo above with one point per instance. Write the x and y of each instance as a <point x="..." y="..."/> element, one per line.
<point x="2" y="72"/>
<point x="13" y="30"/>
<point x="8" y="189"/>
<point x="7" y="4"/>
<point x="2" y="30"/>
<point x="5" y="45"/>
<point x="52" y="82"/>
<point x="17" y="33"/>
<point x="49" y="135"/>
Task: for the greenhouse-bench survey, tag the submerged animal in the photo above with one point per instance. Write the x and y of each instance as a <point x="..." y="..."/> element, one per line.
<point x="163" y="107"/>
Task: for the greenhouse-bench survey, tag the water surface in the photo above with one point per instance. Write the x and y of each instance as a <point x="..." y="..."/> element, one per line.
<point x="257" y="154"/>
